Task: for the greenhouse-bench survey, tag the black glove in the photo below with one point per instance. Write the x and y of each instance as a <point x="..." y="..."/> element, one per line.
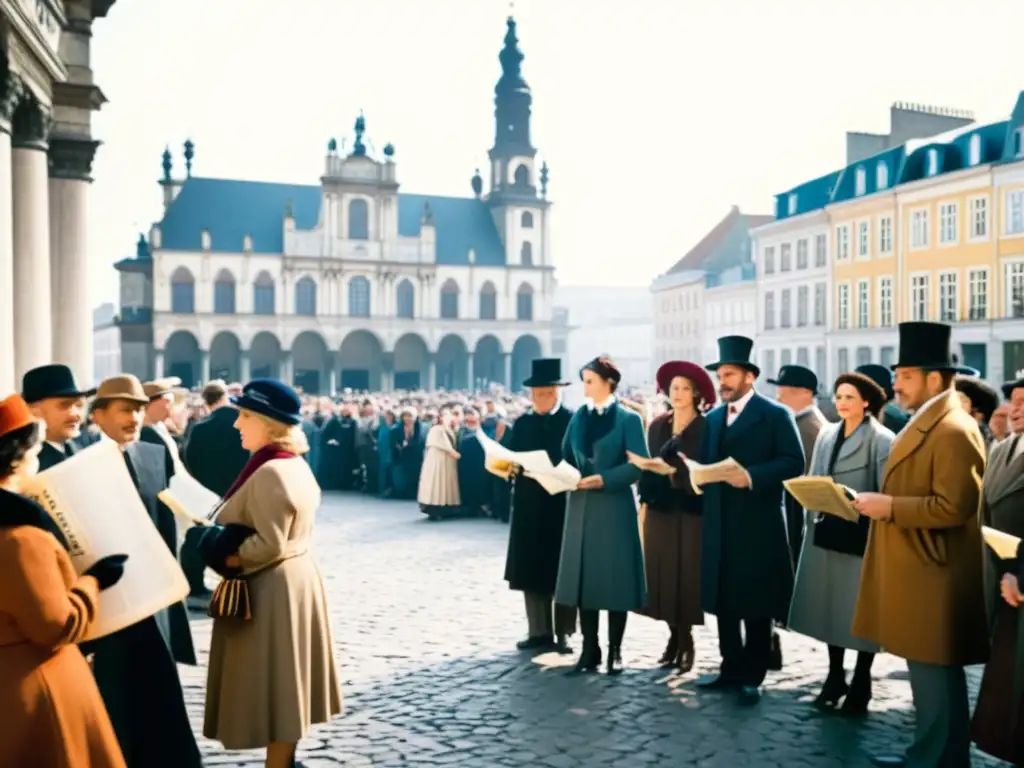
<point x="107" y="570"/>
<point x="217" y="542"/>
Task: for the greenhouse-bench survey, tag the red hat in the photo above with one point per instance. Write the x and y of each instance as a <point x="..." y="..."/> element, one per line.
<point x="14" y="414"/>
<point x="691" y="371"/>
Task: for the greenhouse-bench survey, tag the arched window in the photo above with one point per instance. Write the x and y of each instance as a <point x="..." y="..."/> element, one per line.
<point x="526" y="254"/>
<point x="861" y="181"/>
<point x="522" y="176"/>
<point x="224" y="293"/>
<point x="183" y="292"/>
<point x="488" y="302"/>
<point x="405" y="300"/>
<point x="305" y="297"/>
<point x="526" y="220"/>
<point x="263" y="294"/>
<point x="524" y="302"/>
<point x="450" y="300"/>
<point x="359" y="297"/>
<point x="974" y="150"/>
<point x="881" y="175"/>
<point x="932" y="167"/>
<point x="358" y="220"/>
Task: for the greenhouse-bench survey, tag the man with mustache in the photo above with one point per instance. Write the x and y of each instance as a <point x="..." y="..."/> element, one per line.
<point x="56" y="399"/>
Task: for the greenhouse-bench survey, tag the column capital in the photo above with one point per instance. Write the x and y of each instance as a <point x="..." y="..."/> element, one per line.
<point x="12" y="91"/>
<point x="30" y="124"/>
<point x="72" y="158"/>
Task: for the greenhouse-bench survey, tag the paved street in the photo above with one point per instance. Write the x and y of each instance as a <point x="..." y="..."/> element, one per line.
<point x="425" y="631"/>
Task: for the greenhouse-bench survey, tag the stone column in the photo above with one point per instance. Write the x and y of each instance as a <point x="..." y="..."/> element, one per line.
<point x="431" y="373"/>
<point x="507" y="360"/>
<point x="470" y="384"/>
<point x="33" y="328"/>
<point x="204" y="365"/>
<point x="246" y="360"/>
<point x="158" y="363"/>
<point x="11" y="90"/>
<point x="287" y="373"/>
<point x="70" y="168"/>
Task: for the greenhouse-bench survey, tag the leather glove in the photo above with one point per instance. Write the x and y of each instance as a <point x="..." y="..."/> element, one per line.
<point x="216" y="542"/>
<point x="107" y="570"/>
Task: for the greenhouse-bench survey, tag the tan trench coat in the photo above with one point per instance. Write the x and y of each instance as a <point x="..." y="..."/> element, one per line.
<point x="922" y="594"/>
<point x="273" y="676"/>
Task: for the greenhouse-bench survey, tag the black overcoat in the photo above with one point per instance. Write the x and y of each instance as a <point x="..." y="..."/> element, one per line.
<point x="538" y="518"/>
<point x="339" y="461"/>
<point x="747" y="569"/>
<point x="213" y="452"/>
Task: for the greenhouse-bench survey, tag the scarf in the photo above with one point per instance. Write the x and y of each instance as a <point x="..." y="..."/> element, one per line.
<point x="257" y="460"/>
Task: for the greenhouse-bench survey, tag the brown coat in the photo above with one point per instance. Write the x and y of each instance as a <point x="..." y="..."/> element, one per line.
<point x="52" y="713"/>
<point x="922" y="594"/>
<point x="272" y="677"/>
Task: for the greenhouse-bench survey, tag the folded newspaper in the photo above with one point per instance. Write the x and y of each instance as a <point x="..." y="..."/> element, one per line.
<point x="823" y="494"/>
<point x="187" y="498"/>
<point x="536" y="465"/>
<point x="1003" y="544"/>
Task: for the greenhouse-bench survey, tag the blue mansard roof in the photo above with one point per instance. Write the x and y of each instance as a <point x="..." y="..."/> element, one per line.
<point x="231" y="209"/>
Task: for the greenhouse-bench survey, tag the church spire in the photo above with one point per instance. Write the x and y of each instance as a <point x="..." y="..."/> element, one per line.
<point x="512" y="101"/>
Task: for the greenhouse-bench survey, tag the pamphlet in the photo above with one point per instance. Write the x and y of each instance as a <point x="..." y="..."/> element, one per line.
<point x="1003" y="544"/>
<point x="823" y="494"/>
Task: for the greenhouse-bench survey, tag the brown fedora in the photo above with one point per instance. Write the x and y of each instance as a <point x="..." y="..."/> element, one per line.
<point x="160" y="387"/>
<point x="124" y="387"/>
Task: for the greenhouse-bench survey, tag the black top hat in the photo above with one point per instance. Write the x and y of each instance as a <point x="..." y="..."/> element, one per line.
<point x="735" y="350"/>
<point x="926" y="345"/>
<point x="545" y="372"/>
<point x="879" y="374"/>
<point x="271" y="398"/>
<point x="796" y="376"/>
<point x="51" y="381"/>
<point x="1009" y="386"/>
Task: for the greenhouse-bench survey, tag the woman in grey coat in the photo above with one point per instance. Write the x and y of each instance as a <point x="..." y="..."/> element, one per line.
<point x="852" y="452"/>
<point x="601" y="566"/>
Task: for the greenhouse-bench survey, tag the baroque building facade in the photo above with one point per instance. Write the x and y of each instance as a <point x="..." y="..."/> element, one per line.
<point x="47" y="96"/>
<point x="350" y="284"/>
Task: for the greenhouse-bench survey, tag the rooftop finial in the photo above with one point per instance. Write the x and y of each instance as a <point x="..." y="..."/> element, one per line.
<point x="189" y="154"/>
<point x="167" y="164"/>
<point x="359" y="148"/>
<point x="142" y="248"/>
<point x="332" y="145"/>
<point x="544" y="179"/>
<point x="477" y="183"/>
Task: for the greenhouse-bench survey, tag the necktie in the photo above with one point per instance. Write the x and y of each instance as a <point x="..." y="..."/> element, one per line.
<point x="131" y="468"/>
<point x="1012" y="453"/>
<point x="68" y="450"/>
<point x="733" y="410"/>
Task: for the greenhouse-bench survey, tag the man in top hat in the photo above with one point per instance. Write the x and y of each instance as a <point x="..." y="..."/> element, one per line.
<point x="154" y="423"/>
<point x="747" y="567"/>
<point x="795" y="388"/>
<point x="135" y="668"/>
<point x="893" y="418"/>
<point x="55" y="397"/>
<point x="921" y="592"/>
<point x="535" y="534"/>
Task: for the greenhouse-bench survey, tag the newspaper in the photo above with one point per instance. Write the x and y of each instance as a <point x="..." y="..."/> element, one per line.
<point x="1003" y="544"/>
<point x="657" y="465"/>
<point x="93" y="500"/>
<point x="702" y="474"/>
<point x="536" y="465"/>
<point x="188" y="499"/>
<point x="823" y="494"/>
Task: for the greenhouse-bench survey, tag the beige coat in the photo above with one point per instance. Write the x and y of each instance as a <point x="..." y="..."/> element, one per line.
<point x="273" y="676"/>
<point x="439" y="478"/>
<point x="922" y="595"/>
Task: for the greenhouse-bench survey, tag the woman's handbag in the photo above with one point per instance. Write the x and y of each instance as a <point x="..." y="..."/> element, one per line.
<point x="230" y="600"/>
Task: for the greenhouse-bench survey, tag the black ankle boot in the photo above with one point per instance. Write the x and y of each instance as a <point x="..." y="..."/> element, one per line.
<point x="856" y="702"/>
<point x="614" y="660"/>
<point x="834" y="689"/>
<point x="668" y="658"/>
<point x="589" y="660"/>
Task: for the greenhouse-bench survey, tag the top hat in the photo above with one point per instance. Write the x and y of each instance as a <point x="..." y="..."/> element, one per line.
<point x="879" y="374"/>
<point x="1009" y="386"/>
<point x="160" y="387"/>
<point x="271" y="398"/>
<point x="926" y="345"/>
<point x="14" y="414"/>
<point x="545" y="372"/>
<point x="796" y="376"/>
<point x="124" y="387"/>
<point x="51" y="381"/>
<point x="735" y="350"/>
<point x="690" y="371"/>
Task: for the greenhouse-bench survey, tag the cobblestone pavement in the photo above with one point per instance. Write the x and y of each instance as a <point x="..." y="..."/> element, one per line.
<point x="425" y="630"/>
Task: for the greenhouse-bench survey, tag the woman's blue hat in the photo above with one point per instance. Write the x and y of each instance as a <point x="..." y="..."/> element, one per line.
<point x="271" y="398"/>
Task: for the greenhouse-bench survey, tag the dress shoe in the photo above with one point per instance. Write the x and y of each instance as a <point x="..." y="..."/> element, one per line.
<point x="718" y="683"/>
<point x="834" y="689"/>
<point x="775" y="657"/>
<point x="668" y="658"/>
<point x="856" y="702"/>
<point x="589" y="661"/>
<point x="750" y="695"/>
<point x="562" y="645"/>
<point x="887" y="761"/>
<point x="533" y="643"/>
<point x="614" y="666"/>
<point x="685" y="656"/>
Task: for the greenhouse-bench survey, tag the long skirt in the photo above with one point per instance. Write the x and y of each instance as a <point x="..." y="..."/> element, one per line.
<point x="672" y="543"/>
<point x="995" y="730"/>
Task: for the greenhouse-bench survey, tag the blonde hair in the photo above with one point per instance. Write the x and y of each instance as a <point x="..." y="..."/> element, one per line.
<point x="287" y="437"/>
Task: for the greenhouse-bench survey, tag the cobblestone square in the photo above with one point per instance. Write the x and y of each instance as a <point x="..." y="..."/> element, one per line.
<point x="425" y="630"/>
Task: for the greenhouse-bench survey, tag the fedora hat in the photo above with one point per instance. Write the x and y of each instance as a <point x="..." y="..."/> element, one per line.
<point x="545" y="372"/>
<point x="159" y="387"/>
<point x="51" y="381"/>
<point x="123" y="387"/>
<point x="1009" y="386"/>
<point x="796" y="376"/>
<point x="271" y="398"/>
<point x="735" y="350"/>
<point x="692" y="372"/>
<point x="926" y="345"/>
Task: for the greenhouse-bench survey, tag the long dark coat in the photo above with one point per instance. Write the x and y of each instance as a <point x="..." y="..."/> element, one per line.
<point x="408" y="459"/>
<point x="339" y="460"/>
<point x="808" y="425"/>
<point x="602" y="563"/>
<point x="213" y="452"/>
<point x="135" y="667"/>
<point x="747" y="568"/>
<point x="535" y="533"/>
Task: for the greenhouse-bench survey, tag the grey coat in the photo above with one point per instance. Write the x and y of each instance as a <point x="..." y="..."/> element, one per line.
<point x="827" y="582"/>
<point x="602" y="564"/>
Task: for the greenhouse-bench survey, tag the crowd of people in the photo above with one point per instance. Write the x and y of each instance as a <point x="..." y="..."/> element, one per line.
<point x="680" y="511"/>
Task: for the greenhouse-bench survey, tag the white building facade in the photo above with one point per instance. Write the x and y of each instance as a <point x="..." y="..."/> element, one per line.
<point x="47" y="96"/>
<point x="106" y="342"/>
<point x="730" y="308"/>
<point x="679" y="316"/>
<point x="350" y="284"/>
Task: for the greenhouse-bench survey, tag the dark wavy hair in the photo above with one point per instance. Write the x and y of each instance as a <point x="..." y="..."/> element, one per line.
<point x="606" y="369"/>
<point x="15" y="445"/>
<point x="868" y="389"/>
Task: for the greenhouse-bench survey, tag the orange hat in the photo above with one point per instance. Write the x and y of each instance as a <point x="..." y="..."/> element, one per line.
<point x="14" y="414"/>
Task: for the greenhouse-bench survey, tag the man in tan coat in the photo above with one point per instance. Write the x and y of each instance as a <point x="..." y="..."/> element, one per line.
<point x="922" y="594"/>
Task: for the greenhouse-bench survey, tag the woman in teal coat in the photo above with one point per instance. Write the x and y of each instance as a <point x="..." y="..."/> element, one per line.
<point x="602" y="564"/>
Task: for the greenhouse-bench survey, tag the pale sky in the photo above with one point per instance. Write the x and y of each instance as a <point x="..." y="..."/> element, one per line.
<point x="654" y="116"/>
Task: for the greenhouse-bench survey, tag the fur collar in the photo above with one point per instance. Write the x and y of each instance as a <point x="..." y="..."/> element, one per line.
<point x="17" y="510"/>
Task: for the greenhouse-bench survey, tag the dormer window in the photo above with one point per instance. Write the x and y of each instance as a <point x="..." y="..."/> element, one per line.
<point x="791" y="203"/>
<point x="882" y="175"/>
<point x="1018" y="143"/>
<point x="932" y="166"/>
<point x="974" y="150"/>
<point x="861" y="182"/>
